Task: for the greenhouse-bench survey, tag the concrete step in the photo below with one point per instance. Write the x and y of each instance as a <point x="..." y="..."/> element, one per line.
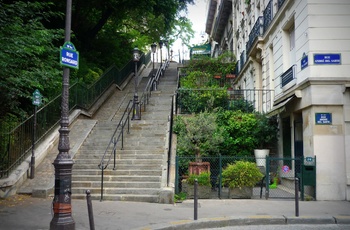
<point x="114" y="191"/>
<point x="145" y="157"/>
<point x="120" y="197"/>
<point x="139" y="165"/>
<point x="118" y="178"/>
<point x="117" y="184"/>
<point x="122" y="161"/>
<point x="110" y="171"/>
<point x="148" y="166"/>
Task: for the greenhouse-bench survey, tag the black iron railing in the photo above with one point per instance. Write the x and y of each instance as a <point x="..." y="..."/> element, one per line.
<point x="16" y="140"/>
<point x="199" y="100"/>
<point x="268" y="15"/>
<point x="117" y="138"/>
<point x="256" y="31"/>
<point x="288" y="76"/>
<point x="278" y="181"/>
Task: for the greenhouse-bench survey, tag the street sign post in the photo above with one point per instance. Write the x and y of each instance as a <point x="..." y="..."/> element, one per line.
<point x="36" y="101"/>
<point x="69" y="56"/>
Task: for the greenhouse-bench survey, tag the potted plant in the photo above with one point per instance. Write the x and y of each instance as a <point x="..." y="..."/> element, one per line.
<point x="204" y="185"/>
<point x="240" y="178"/>
<point x="198" y="135"/>
<point x="266" y="136"/>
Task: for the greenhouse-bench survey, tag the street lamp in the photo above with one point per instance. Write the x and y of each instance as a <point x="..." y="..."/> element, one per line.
<point x="154" y="49"/>
<point x="136" y="106"/>
<point x="61" y="204"/>
<point x="160" y="47"/>
<point x="167" y="50"/>
<point x="171" y="54"/>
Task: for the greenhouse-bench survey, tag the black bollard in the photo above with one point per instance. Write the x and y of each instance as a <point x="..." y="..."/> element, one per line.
<point x="296" y="196"/>
<point x="195" y="199"/>
<point x="90" y="211"/>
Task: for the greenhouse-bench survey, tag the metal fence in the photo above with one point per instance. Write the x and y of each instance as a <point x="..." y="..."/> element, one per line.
<point x="199" y="100"/>
<point x="16" y="140"/>
<point x="278" y="181"/>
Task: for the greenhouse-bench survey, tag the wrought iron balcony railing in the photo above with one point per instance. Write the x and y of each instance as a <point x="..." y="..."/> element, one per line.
<point x="255" y="33"/>
<point x="288" y="76"/>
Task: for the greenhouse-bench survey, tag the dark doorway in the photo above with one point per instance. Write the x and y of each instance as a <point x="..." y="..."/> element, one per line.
<point x="298" y="142"/>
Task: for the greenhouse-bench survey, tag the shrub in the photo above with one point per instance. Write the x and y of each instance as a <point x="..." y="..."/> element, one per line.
<point x="241" y="174"/>
<point x="203" y="179"/>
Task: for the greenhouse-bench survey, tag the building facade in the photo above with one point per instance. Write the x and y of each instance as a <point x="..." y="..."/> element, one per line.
<point x="298" y="52"/>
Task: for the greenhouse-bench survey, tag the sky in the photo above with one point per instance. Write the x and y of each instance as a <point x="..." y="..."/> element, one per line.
<point x="197" y="14"/>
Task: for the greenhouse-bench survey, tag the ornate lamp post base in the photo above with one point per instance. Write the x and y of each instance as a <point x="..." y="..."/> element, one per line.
<point x="62" y="208"/>
<point x="136" y="109"/>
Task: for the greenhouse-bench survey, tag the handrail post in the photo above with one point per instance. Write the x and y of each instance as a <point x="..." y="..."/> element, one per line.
<point x="122" y="136"/>
<point x="114" y="151"/>
<point x="102" y="169"/>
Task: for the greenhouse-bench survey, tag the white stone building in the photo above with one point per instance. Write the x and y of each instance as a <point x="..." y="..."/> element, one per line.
<point x="300" y="51"/>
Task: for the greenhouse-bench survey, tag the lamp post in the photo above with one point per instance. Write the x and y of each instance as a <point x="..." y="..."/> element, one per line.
<point x="160" y="47"/>
<point x="171" y="54"/>
<point x="61" y="204"/>
<point x="154" y="49"/>
<point x="136" y="106"/>
<point x="167" y="48"/>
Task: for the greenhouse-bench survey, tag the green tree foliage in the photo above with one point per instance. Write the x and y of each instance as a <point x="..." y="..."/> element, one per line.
<point x="28" y="59"/>
<point x="103" y="31"/>
<point x="241" y="174"/>
<point x="199" y="135"/>
<point x="240" y="128"/>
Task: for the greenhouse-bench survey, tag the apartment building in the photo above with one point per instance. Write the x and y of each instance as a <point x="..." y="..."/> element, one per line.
<point x="298" y="53"/>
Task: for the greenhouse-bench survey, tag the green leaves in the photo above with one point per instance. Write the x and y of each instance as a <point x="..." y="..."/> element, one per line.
<point x="29" y="59"/>
<point x="241" y="174"/>
<point x="199" y="135"/>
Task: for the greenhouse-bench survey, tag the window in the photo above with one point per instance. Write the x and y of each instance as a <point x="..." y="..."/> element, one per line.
<point x="291" y="38"/>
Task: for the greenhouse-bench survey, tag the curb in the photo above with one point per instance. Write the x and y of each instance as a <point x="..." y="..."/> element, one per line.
<point x="219" y="222"/>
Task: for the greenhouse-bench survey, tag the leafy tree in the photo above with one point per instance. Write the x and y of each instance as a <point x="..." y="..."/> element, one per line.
<point x="103" y="31"/>
<point x="199" y="135"/>
<point x="28" y="59"/>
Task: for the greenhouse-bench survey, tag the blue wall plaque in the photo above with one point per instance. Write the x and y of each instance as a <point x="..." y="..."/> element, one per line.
<point x="327" y="59"/>
<point x="304" y="62"/>
<point x="323" y="118"/>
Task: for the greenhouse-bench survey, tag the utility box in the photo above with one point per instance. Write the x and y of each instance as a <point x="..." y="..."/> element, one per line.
<point x="309" y="172"/>
<point x="309" y="175"/>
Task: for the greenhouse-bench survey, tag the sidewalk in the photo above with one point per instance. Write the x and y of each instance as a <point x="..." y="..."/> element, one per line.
<point x="35" y="213"/>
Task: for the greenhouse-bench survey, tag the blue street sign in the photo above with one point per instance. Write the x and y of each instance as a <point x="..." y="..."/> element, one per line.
<point x="323" y="118"/>
<point x="304" y="62"/>
<point x="69" y="57"/>
<point x="327" y="59"/>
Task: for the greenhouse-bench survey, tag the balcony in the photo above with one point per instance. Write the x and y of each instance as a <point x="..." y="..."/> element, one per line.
<point x="288" y="76"/>
<point x="223" y="14"/>
<point x="268" y="15"/>
<point x="242" y="60"/>
<point x="255" y="33"/>
<point x="210" y="16"/>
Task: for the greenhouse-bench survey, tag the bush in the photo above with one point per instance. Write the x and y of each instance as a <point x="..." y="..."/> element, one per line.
<point x="241" y="174"/>
<point x="203" y="179"/>
<point x="201" y="135"/>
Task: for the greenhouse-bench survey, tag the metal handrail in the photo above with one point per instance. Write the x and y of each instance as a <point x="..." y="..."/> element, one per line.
<point x="114" y="142"/>
<point x="152" y="85"/>
<point x="16" y="142"/>
<point x="126" y="119"/>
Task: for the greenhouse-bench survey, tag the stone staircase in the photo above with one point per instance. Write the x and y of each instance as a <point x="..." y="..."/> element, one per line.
<point x="140" y="171"/>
